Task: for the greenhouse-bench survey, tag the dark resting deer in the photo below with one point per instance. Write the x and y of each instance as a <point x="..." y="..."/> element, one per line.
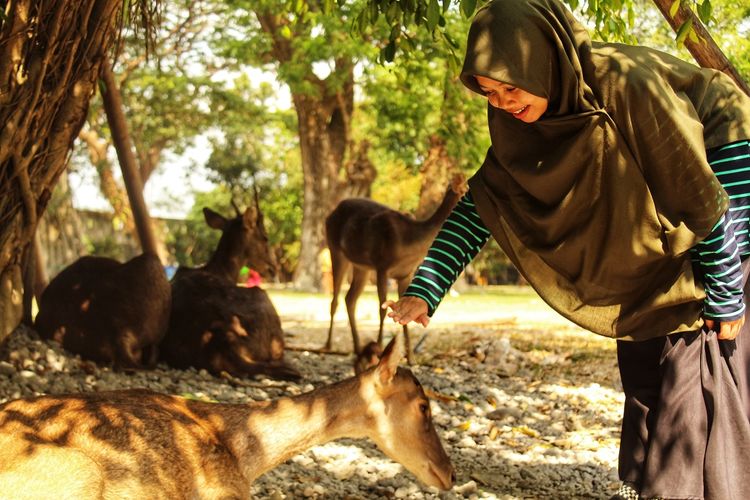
<point x="107" y="311"/>
<point x="218" y="325"/>
<point x="146" y="445"/>
<point x="365" y="235"/>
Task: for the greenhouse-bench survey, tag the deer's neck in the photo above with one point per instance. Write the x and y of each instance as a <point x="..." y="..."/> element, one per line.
<point x="224" y="263"/>
<point x="263" y="436"/>
<point x="428" y="228"/>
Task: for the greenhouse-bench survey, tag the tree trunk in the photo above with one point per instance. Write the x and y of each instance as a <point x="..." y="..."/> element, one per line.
<point x="128" y="163"/>
<point x="436" y="171"/>
<point x="705" y="51"/>
<point x="113" y="192"/>
<point x="360" y="174"/>
<point x="50" y="55"/>
<point x="320" y="171"/>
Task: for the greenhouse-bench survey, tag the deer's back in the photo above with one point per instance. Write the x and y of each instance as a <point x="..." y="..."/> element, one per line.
<point x="121" y="444"/>
<point x="97" y="303"/>
<point x="365" y="230"/>
<point x="373" y="235"/>
<point x="212" y="319"/>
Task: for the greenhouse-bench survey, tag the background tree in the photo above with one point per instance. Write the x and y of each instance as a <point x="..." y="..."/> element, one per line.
<point x="165" y="96"/>
<point x="311" y="52"/>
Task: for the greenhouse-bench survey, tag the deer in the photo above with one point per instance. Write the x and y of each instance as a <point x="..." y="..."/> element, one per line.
<point x="142" y="444"/>
<point x="108" y="311"/>
<point x="217" y="325"/>
<point x="364" y="235"/>
<point x="369" y="356"/>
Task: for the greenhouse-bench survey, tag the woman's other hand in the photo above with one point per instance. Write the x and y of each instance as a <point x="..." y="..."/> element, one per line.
<point x="407" y="309"/>
<point x="728" y="330"/>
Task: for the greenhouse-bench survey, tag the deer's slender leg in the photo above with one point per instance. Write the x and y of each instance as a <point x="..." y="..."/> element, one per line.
<point x="359" y="279"/>
<point x="339" y="267"/>
<point x="382" y="295"/>
<point x="403" y="284"/>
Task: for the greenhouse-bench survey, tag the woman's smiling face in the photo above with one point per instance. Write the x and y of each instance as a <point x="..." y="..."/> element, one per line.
<point x="519" y="103"/>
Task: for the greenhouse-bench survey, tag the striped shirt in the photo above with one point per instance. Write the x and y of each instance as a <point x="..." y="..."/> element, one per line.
<point x="717" y="258"/>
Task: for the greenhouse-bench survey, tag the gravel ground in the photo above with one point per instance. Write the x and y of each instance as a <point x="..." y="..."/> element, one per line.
<point x="524" y="411"/>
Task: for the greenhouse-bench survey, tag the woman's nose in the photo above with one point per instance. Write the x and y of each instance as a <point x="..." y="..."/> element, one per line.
<point x="501" y="102"/>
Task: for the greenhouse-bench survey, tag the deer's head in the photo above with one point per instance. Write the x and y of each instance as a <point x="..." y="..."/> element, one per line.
<point x="400" y="420"/>
<point x="243" y="240"/>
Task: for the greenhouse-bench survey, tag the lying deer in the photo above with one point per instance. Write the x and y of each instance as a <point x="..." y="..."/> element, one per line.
<point x="366" y="235"/>
<point x="142" y="444"/>
<point x="217" y="325"/>
<point x="108" y="311"/>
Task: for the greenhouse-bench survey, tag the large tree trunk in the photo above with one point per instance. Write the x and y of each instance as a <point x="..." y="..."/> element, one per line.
<point x="50" y="55"/>
<point x="705" y="51"/>
<point x="320" y="165"/>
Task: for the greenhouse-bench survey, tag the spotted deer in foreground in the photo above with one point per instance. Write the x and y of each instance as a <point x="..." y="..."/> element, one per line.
<point x="142" y="444"/>
<point x="218" y="325"/>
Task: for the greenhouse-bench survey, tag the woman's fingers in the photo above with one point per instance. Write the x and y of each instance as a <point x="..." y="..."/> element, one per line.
<point x="407" y="309"/>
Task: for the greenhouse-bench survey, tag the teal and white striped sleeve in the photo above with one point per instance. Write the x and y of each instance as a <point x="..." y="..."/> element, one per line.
<point x="718" y="257"/>
<point x="460" y="239"/>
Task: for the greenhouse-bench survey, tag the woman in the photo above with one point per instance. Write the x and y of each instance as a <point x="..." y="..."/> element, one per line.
<point x="618" y="184"/>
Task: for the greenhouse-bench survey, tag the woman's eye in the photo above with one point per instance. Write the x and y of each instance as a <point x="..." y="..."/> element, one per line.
<point x="510" y="89"/>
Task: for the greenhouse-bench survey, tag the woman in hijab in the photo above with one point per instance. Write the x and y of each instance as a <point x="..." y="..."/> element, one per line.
<point x="618" y="183"/>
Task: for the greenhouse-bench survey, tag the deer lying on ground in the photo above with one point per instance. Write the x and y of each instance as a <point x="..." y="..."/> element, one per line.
<point x="141" y="444"/>
<point x="108" y="311"/>
<point x="366" y="235"/>
<point x="217" y="325"/>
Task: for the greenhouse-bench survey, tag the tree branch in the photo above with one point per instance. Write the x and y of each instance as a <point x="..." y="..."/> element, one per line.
<point x="705" y="51"/>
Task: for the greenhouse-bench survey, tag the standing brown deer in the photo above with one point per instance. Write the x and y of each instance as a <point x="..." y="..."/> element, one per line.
<point x="217" y="325"/>
<point x="108" y="311"/>
<point x="366" y="235"/>
<point x="141" y="444"/>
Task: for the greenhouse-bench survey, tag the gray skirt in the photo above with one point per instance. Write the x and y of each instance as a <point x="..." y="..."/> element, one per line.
<point x="686" y="421"/>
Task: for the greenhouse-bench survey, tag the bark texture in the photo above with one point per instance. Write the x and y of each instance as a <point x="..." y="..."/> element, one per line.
<point x="50" y="56"/>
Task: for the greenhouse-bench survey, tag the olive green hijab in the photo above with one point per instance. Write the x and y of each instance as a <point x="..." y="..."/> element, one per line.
<point x="599" y="201"/>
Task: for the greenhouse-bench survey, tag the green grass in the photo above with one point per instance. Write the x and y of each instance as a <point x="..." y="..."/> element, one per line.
<point x="472" y="305"/>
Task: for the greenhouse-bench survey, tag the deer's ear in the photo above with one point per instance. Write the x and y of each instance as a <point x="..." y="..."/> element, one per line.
<point x="213" y="219"/>
<point x="391" y="358"/>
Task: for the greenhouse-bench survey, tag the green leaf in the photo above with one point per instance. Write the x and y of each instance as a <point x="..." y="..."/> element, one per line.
<point x="433" y="14"/>
<point x="704" y="11"/>
<point x="684" y="31"/>
<point x="450" y="40"/>
<point x="374" y="12"/>
<point x="674" y="8"/>
<point x="389" y="51"/>
<point x="393" y="13"/>
<point x="468" y="7"/>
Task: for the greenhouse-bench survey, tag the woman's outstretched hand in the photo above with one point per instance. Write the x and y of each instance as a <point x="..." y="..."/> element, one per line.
<point x="728" y="330"/>
<point x="407" y="309"/>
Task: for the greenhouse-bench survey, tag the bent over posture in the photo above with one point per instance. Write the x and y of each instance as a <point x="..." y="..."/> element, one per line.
<point x="618" y="183"/>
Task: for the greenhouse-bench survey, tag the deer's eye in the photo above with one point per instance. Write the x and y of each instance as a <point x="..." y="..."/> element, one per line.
<point x="424" y="408"/>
